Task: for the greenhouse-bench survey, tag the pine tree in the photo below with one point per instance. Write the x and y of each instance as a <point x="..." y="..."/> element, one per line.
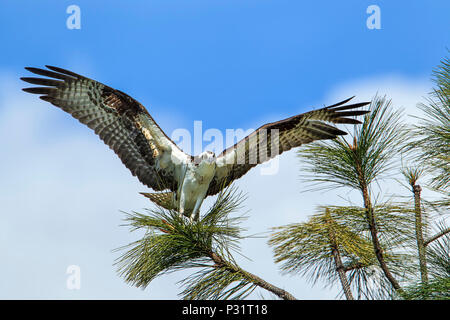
<point x="173" y="242"/>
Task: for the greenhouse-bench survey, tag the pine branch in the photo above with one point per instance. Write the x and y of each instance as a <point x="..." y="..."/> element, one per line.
<point x="172" y="242"/>
<point x="437" y="236"/>
<point x="220" y="262"/>
<point x="337" y="256"/>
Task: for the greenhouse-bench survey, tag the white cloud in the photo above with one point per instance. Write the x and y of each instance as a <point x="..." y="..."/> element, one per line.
<point x="405" y="92"/>
<point x="62" y="190"/>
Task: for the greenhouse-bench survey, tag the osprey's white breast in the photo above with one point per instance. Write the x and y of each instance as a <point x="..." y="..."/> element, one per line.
<point x="198" y="178"/>
<point x="195" y="185"/>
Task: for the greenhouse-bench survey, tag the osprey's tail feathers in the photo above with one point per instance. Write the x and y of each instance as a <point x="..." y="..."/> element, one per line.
<point x="163" y="199"/>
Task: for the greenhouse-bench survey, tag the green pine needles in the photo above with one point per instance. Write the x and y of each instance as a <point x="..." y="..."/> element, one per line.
<point x="335" y="244"/>
<point x="172" y="242"/>
<point x="434" y="129"/>
<point x="371" y="154"/>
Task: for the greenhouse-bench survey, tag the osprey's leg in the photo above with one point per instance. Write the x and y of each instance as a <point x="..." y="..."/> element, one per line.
<point x="196" y="212"/>
<point x="182" y="202"/>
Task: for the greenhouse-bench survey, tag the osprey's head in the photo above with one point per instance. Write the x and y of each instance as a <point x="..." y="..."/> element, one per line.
<point x="205" y="157"/>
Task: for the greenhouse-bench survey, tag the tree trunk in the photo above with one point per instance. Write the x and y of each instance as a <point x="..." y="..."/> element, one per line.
<point x="419" y="234"/>
<point x="374" y="232"/>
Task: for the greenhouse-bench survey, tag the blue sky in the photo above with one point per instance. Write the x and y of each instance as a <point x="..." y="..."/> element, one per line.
<point x="225" y="61"/>
<point x="229" y="63"/>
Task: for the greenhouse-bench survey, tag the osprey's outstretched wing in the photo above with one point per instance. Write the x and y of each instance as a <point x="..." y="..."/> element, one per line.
<point x="274" y="138"/>
<point x="119" y="120"/>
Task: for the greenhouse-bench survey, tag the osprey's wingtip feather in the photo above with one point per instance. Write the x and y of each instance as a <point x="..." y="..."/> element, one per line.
<point x="341" y="103"/>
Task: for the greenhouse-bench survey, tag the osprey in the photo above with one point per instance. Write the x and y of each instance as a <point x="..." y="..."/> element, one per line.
<point x="128" y="129"/>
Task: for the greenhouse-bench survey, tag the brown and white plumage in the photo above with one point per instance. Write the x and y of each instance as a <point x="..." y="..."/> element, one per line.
<point x="119" y="120"/>
<point x="289" y="133"/>
<point x="128" y="129"/>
